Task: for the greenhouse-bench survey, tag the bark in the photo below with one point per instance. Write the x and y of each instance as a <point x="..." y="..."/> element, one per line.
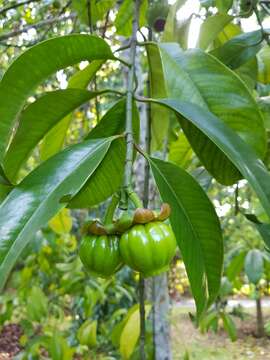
<point x="260" y="322"/>
<point x="161" y="318"/>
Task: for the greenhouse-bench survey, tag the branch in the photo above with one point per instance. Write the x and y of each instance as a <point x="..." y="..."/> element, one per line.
<point x="38" y="25"/>
<point x="15" y="6"/>
<point x="265" y="35"/>
<point x="130" y="93"/>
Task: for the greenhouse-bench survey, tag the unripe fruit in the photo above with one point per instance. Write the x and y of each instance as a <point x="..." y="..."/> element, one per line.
<point x="100" y="255"/>
<point x="148" y="248"/>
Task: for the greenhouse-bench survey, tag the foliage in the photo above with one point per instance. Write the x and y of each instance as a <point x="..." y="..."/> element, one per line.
<point x="62" y="145"/>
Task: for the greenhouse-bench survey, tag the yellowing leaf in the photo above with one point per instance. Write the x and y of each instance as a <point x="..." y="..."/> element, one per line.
<point x="131" y="332"/>
<point x="62" y="222"/>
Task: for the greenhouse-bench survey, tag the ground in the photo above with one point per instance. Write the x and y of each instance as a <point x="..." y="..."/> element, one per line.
<point x="185" y="338"/>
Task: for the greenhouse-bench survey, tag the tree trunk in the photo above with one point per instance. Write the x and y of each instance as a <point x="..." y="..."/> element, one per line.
<point x="260" y="322"/>
<point x="161" y="319"/>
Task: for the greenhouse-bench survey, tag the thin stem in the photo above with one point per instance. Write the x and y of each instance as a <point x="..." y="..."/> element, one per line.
<point x="38" y="25"/>
<point x="134" y="198"/>
<point x="15" y="6"/>
<point x="264" y="34"/>
<point x="147" y="139"/>
<point x="236" y="203"/>
<point x="89" y="15"/>
<point x="142" y="318"/>
<point x="108" y="219"/>
<point x="130" y="92"/>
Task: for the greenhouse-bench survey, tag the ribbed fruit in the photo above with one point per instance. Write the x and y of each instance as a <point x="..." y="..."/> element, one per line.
<point x="100" y="255"/>
<point x="148" y="248"/>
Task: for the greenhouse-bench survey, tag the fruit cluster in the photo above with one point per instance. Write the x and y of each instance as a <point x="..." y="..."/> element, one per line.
<point x="143" y="241"/>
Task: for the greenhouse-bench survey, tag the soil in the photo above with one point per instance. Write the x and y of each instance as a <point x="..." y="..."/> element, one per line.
<point x="10" y="341"/>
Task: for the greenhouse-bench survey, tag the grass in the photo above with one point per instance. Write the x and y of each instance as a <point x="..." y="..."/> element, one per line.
<point x="197" y="346"/>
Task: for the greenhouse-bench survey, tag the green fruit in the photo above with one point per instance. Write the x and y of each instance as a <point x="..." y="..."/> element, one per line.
<point x="148" y="248"/>
<point x="100" y="254"/>
<point x="156" y="15"/>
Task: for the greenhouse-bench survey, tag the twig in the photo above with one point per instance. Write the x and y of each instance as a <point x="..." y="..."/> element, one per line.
<point x="36" y="26"/>
<point x="15" y="6"/>
<point x="106" y="24"/>
<point x="89" y="15"/>
<point x="61" y="12"/>
<point x="236" y="203"/>
<point x="264" y="34"/>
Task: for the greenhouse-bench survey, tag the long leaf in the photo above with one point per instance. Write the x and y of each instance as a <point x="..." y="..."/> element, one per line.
<point x="263" y="229"/>
<point x="55" y="139"/>
<point x="254" y="265"/>
<point x="211" y="27"/>
<point x="109" y="175"/>
<point x="38" y="197"/>
<point x="197" y="77"/>
<point x="196" y="227"/>
<point x="36" y="120"/>
<point x="159" y="115"/>
<point x="37" y="64"/>
<point x="230" y="143"/>
<point x="238" y="50"/>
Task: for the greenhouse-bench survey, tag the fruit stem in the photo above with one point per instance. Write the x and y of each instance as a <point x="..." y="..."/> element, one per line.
<point x="108" y="219"/>
<point x="134" y="198"/>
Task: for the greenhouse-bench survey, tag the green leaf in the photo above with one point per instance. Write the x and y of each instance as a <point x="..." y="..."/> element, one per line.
<point x="237" y="150"/>
<point x="82" y="78"/>
<point x="159" y="115"/>
<point x="130" y="333"/>
<point x="264" y="105"/>
<point x="37" y="304"/>
<point x="254" y="266"/>
<point x="54" y="140"/>
<point x="264" y="65"/>
<point x="87" y="333"/>
<point x="231" y="30"/>
<point x="98" y="9"/>
<point x="224" y="5"/>
<point x="109" y="175"/>
<point x="229" y="326"/>
<point x="181" y="152"/>
<point x="64" y="51"/>
<point x="196" y="227"/>
<point x="124" y="17"/>
<point x="263" y="229"/>
<point x="37" y="198"/>
<point x="225" y="288"/>
<point x="197" y="77"/>
<point x="248" y="73"/>
<point x="59" y="349"/>
<point x="211" y="27"/>
<point x="3" y="178"/>
<point x="238" y="50"/>
<point x="236" y="266"/>
<point x="171" y="26"/>
<point x="35" y="122"/>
